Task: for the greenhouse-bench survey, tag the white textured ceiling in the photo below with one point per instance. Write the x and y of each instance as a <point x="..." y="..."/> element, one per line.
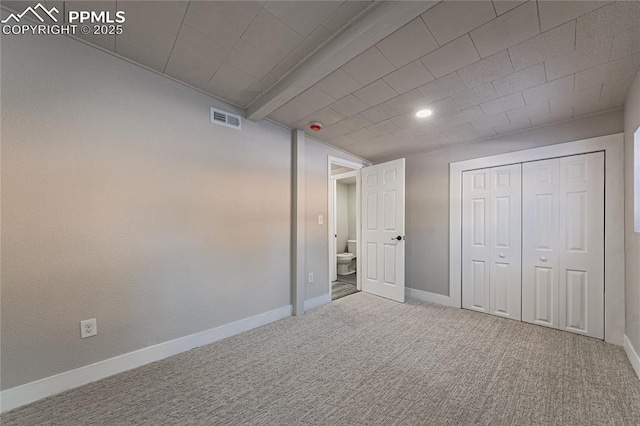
<point x="485" y="68"/>
<point x="234" y="50"/>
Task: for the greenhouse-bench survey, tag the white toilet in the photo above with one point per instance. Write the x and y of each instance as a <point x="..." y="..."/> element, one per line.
<point x="347" y="261"/>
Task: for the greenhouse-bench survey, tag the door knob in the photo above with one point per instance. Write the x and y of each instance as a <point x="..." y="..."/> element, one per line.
<point x="544" y="259"/>
<point x="501" y="255"/>
<point x="399" y="238"/>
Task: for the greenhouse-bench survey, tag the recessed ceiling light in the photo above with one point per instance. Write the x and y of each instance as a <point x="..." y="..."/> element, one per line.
<point x="424" y="113"/>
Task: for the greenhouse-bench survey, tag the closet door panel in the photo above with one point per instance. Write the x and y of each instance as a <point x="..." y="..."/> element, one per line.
<point x="476" y="250"/>
<point x="491" y="255"/>
<point x="540" y="183"/>
<point x="506" y="257"/>
<point x="581" y="220"/>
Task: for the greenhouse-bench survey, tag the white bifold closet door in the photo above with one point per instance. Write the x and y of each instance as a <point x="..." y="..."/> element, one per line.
<point x="563" y="243"/>
<point x="491" y="234"/>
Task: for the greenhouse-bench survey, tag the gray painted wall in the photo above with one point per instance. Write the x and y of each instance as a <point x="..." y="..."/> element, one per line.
<point x="342" y="216"/>
<point x="120" y="201"/>
<point x="352" y="211"/>
<point x="631" y="238"/>
<point x="427" y="192"/>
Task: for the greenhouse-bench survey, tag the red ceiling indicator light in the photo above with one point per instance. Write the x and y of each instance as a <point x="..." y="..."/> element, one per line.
<point x="315" y="126"/>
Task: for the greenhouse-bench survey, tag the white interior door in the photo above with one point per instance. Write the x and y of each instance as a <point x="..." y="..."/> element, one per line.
<point x="491" y="273"/>
<point x="563" y="243"/>
<point x="382" y="249"/>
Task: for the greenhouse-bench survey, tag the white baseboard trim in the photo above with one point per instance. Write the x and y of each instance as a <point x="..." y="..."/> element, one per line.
<point x="426" y="296"/>
<point x="317" y="301"/>
<point x="634" y="359"/>
<point x="30" y="392"/>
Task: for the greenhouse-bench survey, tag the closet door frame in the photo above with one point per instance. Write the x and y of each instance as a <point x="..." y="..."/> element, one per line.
<point x="612" y="146"/>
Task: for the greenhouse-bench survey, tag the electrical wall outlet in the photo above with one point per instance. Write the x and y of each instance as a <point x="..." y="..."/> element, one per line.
<point x="88" y="328"/>
<point x="310" y="277"/>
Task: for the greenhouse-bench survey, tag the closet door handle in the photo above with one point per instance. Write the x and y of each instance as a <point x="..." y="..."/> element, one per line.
<point x="543" y="259"/>
<point x="501" y="255"/>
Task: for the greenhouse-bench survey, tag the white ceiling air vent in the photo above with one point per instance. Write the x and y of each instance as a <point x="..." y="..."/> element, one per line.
<point x="225" y="118"/>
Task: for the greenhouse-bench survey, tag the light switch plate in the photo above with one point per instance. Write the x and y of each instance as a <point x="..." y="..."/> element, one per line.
<point x="320" y="219"/>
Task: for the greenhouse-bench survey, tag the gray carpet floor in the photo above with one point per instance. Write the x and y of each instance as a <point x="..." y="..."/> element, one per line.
<point x="340" y="289"/>
<point x="364" y="360"/>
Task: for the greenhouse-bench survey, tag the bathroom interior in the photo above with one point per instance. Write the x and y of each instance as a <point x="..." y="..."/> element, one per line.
<point x="345" y="235"/>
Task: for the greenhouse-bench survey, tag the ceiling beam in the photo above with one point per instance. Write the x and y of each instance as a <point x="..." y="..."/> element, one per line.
<point x="374" y="24"/>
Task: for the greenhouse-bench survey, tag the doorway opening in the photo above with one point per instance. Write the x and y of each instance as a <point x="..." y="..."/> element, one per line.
<point x="344" y="228"/>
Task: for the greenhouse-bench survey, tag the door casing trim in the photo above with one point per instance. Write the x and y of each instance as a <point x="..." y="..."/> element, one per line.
<point x="331" y="212"/>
